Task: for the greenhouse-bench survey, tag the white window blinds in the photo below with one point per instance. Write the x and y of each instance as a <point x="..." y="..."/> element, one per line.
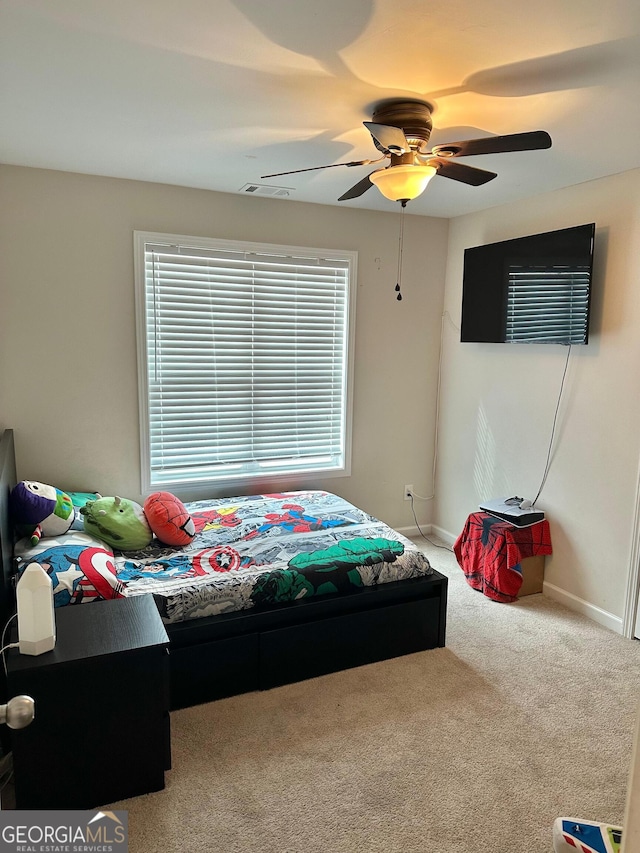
<point x="246" y="361"/>
<point x="547" y="303"/>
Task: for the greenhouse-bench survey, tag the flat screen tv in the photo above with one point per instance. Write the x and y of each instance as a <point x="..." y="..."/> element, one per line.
<point x="531" y="290"/>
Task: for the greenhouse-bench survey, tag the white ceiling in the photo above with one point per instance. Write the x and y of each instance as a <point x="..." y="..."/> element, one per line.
<point x="216" y="93"/>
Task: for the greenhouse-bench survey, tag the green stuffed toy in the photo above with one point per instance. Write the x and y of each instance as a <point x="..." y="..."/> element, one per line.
<point x="119" y="522"/>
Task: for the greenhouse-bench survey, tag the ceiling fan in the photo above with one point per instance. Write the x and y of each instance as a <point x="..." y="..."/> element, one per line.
<point x="401" y="130"/>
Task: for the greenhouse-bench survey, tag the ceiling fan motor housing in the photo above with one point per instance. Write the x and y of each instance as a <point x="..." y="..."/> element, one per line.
<point x="414" y="117"/>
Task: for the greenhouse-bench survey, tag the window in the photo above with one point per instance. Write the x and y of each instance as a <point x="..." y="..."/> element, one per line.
<point x="245" y="354"/>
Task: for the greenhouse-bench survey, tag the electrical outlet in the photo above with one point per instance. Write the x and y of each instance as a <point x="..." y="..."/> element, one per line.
<point x="408" y="492"/>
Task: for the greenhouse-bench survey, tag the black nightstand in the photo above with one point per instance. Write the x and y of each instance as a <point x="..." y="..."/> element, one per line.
<point x="101" y="727"/>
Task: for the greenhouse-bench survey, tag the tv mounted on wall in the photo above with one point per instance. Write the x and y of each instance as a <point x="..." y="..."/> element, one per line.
<point x="531" y="290"/>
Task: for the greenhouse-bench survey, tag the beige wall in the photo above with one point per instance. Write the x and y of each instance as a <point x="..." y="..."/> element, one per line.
<point x="68" y="375"/>
<point x="498" y="401"/>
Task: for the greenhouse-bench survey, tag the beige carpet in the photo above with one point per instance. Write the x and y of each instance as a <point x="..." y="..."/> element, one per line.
<point x="528" y="714"/>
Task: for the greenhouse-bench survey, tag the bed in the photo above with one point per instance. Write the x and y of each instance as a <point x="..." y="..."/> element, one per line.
<point x="274" y="588"/>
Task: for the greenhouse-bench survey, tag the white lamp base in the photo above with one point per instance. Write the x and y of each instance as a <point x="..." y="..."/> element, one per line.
<point x="36" y="647"/>
<point x="36" y="617"/>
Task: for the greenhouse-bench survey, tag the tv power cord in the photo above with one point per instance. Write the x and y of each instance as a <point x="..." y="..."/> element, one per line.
<point x="413" y="495"/>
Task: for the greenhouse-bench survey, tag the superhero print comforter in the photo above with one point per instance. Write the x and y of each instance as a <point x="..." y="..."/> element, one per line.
<point x="262" y="551"/>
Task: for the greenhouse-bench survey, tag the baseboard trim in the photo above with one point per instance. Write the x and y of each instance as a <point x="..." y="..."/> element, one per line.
<point x="428" y="530"/>
<point x="579" y="605"/>
<point x="412" y="532"/>
<point x="572" y="602"/>
<point x="441" y="533"/>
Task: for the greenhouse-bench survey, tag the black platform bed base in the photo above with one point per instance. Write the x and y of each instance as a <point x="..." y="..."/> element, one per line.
<point x="225" y="655"/>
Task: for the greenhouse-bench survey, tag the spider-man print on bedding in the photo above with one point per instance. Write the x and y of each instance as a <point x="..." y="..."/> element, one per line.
<point x="489" y="552"/>
<point x="294" y="520"/>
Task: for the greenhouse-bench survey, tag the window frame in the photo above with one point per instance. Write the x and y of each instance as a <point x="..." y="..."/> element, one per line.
<point x="235" y="483"/>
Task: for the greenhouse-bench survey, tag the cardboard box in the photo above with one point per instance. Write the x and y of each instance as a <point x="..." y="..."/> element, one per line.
<point x="532" y="575"/>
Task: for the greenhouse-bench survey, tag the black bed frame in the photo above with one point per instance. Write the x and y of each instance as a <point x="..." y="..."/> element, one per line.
<point x="234" y="653"/>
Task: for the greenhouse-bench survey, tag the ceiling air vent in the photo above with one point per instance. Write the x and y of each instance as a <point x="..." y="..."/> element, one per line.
<point x="263" y="189"/>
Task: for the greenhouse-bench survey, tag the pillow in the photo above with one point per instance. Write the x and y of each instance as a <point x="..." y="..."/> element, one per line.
<point x="169" y="519"/>
<point x="79" y="499"/>
<point x="81" y="568"/>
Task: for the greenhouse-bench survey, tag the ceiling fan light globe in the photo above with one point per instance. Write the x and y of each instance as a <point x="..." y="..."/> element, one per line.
<point x="402" y="182"/>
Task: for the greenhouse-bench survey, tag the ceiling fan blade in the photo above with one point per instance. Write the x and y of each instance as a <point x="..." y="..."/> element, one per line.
<point x="387" y="138"/>
<point x="316" y="168"/>
<point x="531" y="141"/>
<point x="357" y="190"/>
<point x="461" y="172"/>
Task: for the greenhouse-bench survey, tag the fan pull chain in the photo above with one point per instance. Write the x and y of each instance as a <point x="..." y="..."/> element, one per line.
<point x="400" y="251"/>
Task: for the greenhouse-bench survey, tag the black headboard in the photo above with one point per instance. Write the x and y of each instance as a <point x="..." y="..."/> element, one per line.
<point x="7" y="482"/>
